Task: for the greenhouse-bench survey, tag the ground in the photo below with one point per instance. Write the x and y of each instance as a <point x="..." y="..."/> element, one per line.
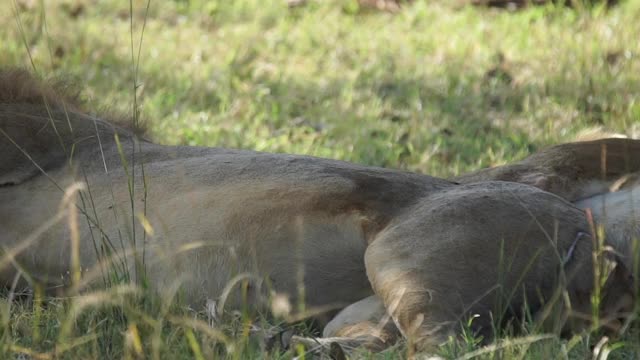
<point x="436" y="87"/>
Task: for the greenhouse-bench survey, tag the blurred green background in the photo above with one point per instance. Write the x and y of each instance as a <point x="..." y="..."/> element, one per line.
<point x="438" y="87"/>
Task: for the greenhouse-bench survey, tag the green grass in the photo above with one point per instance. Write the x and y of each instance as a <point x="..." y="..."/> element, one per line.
<point x="435" y="88"/>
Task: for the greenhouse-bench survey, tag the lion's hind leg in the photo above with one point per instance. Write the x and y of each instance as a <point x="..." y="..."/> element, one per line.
<point x="482" y="250"/>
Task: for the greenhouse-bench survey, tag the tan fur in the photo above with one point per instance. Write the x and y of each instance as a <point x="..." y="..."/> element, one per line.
<point x="619" y="215"/>
<point x="573" y="171"/>
<point x="319" y="232"/>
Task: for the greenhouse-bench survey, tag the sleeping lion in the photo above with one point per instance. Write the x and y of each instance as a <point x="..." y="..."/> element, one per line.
<point x="415" y="255"/>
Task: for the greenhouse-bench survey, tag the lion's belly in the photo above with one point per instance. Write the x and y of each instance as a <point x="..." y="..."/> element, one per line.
<point x="207" y="237"/>
<point x="196" y="237"/>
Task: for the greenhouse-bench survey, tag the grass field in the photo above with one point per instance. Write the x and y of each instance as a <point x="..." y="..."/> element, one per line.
<point x="436" y="88"/>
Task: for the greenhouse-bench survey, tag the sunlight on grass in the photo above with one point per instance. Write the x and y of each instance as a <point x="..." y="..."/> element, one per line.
<point x="449" y="89"/>
<point x="435" y="88"/>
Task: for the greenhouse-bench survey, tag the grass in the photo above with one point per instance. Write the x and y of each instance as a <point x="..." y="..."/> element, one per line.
<point x="436" y="88"/>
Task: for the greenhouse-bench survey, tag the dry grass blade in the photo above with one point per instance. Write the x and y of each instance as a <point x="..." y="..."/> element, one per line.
<point x="501" y="345"/>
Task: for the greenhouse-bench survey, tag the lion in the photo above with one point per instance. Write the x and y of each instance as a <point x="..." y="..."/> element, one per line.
<point x="80" y="193"/>
<point x="600" y="177"/>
